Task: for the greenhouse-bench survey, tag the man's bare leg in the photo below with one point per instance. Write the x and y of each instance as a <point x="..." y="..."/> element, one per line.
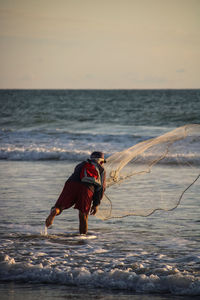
<point x="54" y="212"/>
<point x="83" y="223"/>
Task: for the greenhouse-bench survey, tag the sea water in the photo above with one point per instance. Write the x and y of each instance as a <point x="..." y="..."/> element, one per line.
<point x="43" y="135"/>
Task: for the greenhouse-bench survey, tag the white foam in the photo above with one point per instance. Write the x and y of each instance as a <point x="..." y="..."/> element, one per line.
<point x="165" y="280"/>
<point x="30" y="153"/>
<point x="87" y="237"/>
<point x="36" y="145"/>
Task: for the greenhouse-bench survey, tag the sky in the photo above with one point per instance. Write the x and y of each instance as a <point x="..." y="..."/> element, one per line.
<point x="99" y="44"/>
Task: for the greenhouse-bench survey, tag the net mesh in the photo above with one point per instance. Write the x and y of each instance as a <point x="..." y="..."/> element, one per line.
<point x="152" y="175"/>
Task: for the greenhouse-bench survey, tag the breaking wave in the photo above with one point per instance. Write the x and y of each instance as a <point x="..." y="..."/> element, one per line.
<point x="166" y="279"/>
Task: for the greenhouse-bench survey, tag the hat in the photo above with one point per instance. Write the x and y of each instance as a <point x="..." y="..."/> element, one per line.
<point x="97" y="155"/>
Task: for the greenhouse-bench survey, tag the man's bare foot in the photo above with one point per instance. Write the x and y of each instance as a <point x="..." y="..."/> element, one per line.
<point x="50" y="218"/>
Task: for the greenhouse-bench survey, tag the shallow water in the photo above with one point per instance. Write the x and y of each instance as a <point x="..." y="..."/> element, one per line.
<point x="42" y="291"/>
<point x="158" y="254"/>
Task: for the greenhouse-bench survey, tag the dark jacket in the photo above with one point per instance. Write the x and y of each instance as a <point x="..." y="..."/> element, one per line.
<point x="98" y="189"/>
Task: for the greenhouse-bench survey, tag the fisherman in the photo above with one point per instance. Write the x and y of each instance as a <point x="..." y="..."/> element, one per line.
<point x="84" y="189"/>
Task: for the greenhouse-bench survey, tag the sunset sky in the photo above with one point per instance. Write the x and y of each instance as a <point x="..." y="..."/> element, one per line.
<point x="100" y="44"/>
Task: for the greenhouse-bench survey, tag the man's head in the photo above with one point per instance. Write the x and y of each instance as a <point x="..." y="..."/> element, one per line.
<point x="98" y="157"/>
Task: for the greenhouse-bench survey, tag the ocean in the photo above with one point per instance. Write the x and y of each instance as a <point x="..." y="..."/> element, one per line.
<point x="43" y="135"/>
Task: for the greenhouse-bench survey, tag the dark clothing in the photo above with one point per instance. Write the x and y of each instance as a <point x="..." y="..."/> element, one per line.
<point x="86" y="185"/>
<point x="97" y="190"/>
<point x="77" y="171"/>
<point x="75" y="193"/>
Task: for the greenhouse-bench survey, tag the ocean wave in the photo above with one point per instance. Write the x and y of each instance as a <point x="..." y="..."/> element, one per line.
<point x="36" y="154"/>
<point x="56" y="153"/>
<point x="135" y="278"/>
<point x="59" y="144"/>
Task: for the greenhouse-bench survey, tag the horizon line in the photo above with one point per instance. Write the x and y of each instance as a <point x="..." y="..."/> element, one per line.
<point x="99" y="89"/>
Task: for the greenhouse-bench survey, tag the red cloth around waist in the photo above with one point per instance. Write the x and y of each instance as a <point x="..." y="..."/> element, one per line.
<point x="77" y="194"/>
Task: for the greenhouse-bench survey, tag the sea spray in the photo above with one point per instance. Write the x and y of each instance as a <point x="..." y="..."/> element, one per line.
<point x="44" y="233"/>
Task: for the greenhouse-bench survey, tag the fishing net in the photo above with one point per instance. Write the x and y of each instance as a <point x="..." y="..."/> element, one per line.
<point x="152" y="175"/>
